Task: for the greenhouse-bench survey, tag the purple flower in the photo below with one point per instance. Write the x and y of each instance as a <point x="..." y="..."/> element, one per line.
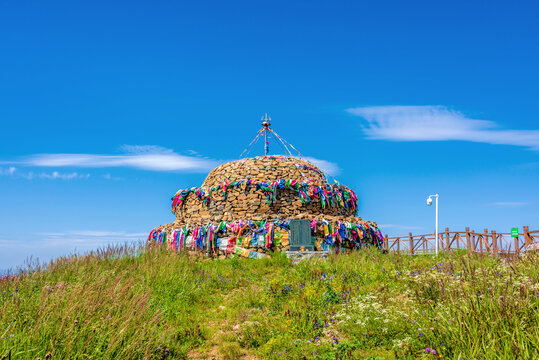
<point x="427" y="349"/>
<point x="433" y="352"/>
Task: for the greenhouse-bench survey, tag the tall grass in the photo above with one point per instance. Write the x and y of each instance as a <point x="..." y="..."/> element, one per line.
<point x="136" y="303"/>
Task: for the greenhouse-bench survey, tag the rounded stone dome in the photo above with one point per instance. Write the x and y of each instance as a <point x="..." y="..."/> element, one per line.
<point x="267" y="169"/>
<point x="263" y="187"/>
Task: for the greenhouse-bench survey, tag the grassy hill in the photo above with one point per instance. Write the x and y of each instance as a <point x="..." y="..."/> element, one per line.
<point x="151" y="304"/>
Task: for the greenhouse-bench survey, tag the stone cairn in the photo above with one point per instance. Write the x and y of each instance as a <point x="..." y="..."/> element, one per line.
<point x="244" y="207"/>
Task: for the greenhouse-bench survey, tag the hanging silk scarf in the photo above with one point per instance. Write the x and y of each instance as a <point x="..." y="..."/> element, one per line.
<point x="269" y="235"/>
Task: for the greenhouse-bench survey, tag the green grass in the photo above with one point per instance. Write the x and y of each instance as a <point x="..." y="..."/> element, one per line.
<point x="152" y="304"/>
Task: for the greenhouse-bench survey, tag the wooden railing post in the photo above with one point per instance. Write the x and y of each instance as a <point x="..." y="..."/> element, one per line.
<point x="386" y="242"/>
<point x="527" y="237"/>
<point x="447" y="243"/>
<point x="485" y="239"/>
<point x="411" y="243"/>
<point x="398" y="245"/>
<point x="494" y="243"/>
<point x="468" y="243"/>
<point x="517" y="246"/>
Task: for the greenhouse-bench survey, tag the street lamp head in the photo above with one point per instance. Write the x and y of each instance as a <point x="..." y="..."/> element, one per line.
<point x="429" y="201"/>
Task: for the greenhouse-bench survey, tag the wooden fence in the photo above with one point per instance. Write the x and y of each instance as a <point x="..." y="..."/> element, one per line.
<point x="485" y="242"/>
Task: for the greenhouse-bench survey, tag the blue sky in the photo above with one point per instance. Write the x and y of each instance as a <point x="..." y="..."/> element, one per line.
<point x="108" y="108"/>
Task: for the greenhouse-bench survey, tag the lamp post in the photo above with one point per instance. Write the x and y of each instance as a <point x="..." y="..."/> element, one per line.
<point x="429" y="203"/>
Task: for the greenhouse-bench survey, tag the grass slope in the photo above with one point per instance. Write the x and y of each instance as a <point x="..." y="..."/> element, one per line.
<point x="152" y="304"/>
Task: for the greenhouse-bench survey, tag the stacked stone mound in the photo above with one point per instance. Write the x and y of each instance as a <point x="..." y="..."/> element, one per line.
<point x="250" y="202"/>
<point x="265" y="168"/>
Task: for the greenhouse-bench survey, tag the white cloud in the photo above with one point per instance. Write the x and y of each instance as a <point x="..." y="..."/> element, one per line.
<point x="13" y="172"/>
<point x="146" y="157"/>
<point x="324" y="165"/>
<point x="110" y="177"/>
<point x="508" y="203"/>
<point x="89" y="239"/>
<point x="437" y="123"/>
<point x="55" y="175"/>
<point x="9" y="171"/>
<point x="102" y="233"/>
<point x="16" y="250"/>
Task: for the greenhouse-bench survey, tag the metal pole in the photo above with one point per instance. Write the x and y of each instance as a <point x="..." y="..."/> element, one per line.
<point x="266" y="144"/>
<point x="266" y="122"/>
<point x="436" y="224"/>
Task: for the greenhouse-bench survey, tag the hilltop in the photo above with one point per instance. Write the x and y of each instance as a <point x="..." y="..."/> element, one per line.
<point x="138" y="303"/>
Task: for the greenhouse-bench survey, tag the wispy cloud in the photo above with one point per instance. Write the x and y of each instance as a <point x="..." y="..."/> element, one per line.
<point x="145" y="157"/>
<point x="437" y="123"/>
<point x="13" y="172"/>
<point x="65" y="241"/>
<point x="88" y="239"/>
<point x="9" y="171"/>
<point x="110" y="177"/>
<point x="48" y="245"/>
<point x="508" y="203"/>
<point x="324" y="165"/>
<point x="56" y="175"/>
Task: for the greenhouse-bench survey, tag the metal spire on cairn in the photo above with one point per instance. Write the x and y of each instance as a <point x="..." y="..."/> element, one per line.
<point x="266" y="129"/>
<point x="266" y="122"/>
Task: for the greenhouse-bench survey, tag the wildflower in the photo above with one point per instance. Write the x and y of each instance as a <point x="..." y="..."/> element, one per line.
<point x="433" y="352"/>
